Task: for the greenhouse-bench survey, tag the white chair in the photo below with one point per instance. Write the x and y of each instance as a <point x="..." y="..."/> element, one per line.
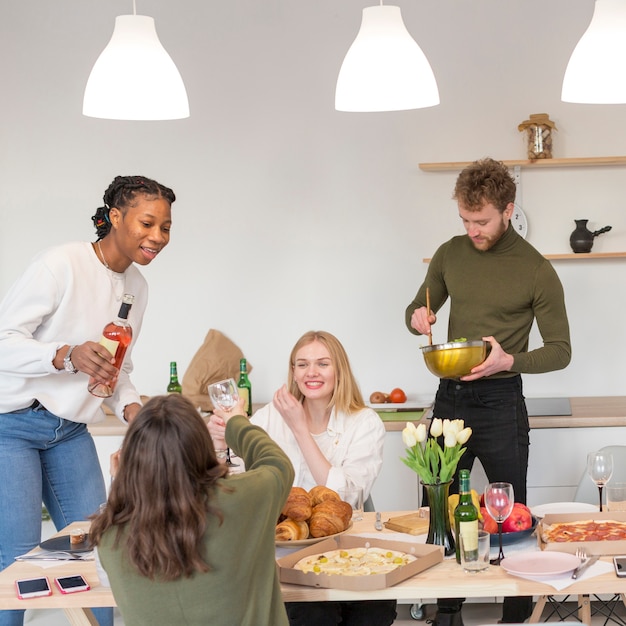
<point x="587" y="491"/>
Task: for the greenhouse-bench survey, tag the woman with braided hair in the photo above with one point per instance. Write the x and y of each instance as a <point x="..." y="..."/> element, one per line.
<point x="51" y="320"/>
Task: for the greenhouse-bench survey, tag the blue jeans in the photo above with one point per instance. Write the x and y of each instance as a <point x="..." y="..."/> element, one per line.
<point x="50" y="459"/>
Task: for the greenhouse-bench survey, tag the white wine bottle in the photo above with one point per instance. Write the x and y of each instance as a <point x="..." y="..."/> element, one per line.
<point x="244" y="387"/>
<point x="174" y="386"/>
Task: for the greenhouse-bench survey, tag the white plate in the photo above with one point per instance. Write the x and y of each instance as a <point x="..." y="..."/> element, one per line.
<point x="563" y="507"/>
<point x="540" y="563"/>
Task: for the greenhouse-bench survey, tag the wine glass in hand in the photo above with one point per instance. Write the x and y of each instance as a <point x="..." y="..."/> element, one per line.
<point x="499" y="501"/>
<point x="224" y="394"/>
<point x="600" y="469"/>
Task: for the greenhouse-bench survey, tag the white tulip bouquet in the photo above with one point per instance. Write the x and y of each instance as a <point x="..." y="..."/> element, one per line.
<point x="424" y="454"/>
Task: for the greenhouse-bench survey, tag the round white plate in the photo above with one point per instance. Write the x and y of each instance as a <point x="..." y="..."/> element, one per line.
<point x="563" y="507"/>
<point x="540" y="563"/>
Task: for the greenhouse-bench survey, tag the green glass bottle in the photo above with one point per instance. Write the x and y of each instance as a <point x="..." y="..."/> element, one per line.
<point x="465" y="517"/>
<point x="174" y="386"/>
<point x="244" y="386"/>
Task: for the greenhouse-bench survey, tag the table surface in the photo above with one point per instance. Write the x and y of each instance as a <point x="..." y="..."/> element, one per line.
<point x="446" y="579"/>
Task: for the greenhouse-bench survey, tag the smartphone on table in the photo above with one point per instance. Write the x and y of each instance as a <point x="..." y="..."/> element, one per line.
<point x="620" y="566"/>
<point x="33" y="587"/>
<point x="71" y="584"/>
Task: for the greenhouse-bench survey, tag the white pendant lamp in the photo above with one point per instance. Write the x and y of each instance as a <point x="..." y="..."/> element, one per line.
<point x="385" y="69"/>
<point x="596" y="72"/>
<point x="134" y="77"/>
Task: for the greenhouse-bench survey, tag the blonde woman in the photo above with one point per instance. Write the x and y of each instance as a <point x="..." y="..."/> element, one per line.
<point x="332" y="438"/>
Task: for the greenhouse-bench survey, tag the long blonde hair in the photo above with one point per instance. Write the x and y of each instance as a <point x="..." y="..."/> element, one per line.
<point x="346" y="396"/>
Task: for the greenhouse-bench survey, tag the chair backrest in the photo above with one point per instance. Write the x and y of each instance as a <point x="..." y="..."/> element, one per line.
<point x="587" y="490"/>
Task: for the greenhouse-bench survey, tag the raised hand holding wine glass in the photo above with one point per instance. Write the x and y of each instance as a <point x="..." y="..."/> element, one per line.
<point x="225" y="396"/>
<point x="600" y="469"/>
<point x="499" y="501"/>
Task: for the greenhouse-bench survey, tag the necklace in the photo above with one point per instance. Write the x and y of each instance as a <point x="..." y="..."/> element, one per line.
<point x="102" y="255"/>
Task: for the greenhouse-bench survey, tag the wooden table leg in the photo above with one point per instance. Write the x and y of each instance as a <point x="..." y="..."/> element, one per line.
<point x="538" y="610"/>
<point x="80" y="617"/>
<point x="584" y="610"/>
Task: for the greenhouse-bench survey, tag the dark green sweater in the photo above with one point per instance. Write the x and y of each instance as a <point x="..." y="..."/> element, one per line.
<point x="500" y="292"/>
<point x="242" y="587"/>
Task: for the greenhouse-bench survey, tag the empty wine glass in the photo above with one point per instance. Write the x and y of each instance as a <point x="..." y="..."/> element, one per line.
<point x="499" y="501"/>
<point x="224" y="394"/>
<point x="600" y="469"/>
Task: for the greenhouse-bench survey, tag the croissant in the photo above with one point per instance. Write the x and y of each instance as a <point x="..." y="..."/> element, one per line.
<point x="291" y="530"/>
<point x="330" y="517"/>
<point x="298" y="505"/>
<point x="320" y="493"/>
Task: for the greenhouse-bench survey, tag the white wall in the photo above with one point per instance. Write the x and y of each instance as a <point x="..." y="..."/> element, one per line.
<point x="323" y="217"/>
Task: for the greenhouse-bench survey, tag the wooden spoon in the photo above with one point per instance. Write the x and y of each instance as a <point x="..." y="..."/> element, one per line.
<point x="430" y="334"/>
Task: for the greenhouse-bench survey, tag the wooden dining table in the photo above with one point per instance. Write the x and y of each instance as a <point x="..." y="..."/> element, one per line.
<point x="445" y="579"/>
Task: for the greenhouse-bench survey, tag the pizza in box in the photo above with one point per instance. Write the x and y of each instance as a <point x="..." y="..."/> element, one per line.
<point x="584" y="530"/>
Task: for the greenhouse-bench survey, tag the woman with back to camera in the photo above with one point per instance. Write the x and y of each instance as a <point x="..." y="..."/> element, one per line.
<point x="333" y="439"/>
<point x="180" y="541"/>
<point x="51" y="320"/>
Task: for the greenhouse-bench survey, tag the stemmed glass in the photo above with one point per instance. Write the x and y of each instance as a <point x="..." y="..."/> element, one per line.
<point x="600" y="469"/>
<point x="499" y="501"/>
<point x="224" y="394"/>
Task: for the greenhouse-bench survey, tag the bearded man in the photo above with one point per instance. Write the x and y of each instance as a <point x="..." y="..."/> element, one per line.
<point x="498" y="285"/>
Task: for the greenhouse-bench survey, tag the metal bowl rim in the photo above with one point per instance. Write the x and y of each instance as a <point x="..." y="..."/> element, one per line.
<point x="455" y="344"/>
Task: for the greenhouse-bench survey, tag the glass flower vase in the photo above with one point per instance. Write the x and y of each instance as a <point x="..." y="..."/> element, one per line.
<point x="439" y="529"/>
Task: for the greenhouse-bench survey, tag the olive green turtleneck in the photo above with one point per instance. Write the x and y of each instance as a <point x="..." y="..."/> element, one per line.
<point x="500" y="292"/>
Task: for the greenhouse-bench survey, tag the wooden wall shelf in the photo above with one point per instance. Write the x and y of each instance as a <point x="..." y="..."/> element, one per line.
<point x="573" y="256"/>
<point x="539" y="164"/>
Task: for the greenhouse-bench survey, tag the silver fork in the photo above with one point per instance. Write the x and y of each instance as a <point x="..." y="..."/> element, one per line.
<point x="581" y="553"/>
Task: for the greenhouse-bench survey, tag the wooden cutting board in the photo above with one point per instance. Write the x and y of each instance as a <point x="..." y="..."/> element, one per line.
<point x="413" y="524"/>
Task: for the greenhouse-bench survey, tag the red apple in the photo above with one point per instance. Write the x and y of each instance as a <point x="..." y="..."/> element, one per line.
<point x="523" y="506"/>
<point x="520" y="519"/>
<point x="489" y="524"/>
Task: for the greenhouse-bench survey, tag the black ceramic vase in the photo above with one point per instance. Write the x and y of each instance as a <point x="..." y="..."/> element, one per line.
<point x="581" y="239"/>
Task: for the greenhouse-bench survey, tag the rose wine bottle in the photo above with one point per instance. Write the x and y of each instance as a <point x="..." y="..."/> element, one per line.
<point x="116" y="338"/>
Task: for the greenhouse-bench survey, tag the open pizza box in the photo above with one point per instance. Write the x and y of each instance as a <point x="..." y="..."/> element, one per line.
<point x="602" y="548"/>
<point x="427" y="556"/>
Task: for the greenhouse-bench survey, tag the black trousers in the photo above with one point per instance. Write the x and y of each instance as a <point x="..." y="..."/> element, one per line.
<point x="496" y="412"/>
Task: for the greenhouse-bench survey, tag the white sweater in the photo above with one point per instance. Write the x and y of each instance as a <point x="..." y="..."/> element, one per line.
<point x="353" y="445"/>
<point x="65" y="296"/>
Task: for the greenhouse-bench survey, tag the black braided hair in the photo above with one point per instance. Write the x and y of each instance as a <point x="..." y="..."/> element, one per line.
<point x="121" y="194"/>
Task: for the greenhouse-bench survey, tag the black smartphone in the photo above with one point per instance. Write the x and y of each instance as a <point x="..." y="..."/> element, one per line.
<point x="70" y="584"/>
<point x="33" y="587"/>
<point x="620" y="565"/>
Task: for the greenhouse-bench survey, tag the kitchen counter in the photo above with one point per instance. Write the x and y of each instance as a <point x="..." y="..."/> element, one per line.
<point x="587" y="412"/>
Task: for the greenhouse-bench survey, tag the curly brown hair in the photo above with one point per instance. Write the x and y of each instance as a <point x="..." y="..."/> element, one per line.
<point x="485" y="181"/>
<point x="161" y="496"/>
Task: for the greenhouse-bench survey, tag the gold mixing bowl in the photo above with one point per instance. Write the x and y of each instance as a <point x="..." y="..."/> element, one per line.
<point x="454" y="359"/>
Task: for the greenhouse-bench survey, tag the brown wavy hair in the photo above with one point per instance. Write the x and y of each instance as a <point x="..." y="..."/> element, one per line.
<point x="346" y="394"/>
<point x="485" y="181"/>
<point x="161" y="496"/>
